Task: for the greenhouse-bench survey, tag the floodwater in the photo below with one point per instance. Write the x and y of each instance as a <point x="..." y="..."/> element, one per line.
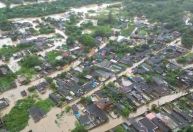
<point x="2" y="5"/>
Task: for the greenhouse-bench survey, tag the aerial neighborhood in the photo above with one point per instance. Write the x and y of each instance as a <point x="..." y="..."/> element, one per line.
<point x="97" y="66"/>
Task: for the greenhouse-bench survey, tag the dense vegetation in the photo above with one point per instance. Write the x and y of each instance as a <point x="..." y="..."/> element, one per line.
<point x="79" y="128"/>
<point x="169" y="12"/>
<point x="18" y="117"/>
<point x="103" y="31"/>
<point x="186" y="59"/>
<point x="30" y="61"/>
<point x="187" y="38"/>
<point x="46" y="29"/>
<point x="54" y="61"/>
<point x="87" y="40"/>
<point x="7" y="82"/>
<point x="28" y="64"/>
<point x="7" y="51"/>
<point x="43" y="9"/>
<point x="119" y="129"/>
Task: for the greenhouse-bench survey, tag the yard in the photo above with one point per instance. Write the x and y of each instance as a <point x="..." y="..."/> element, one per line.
<point x="7" y="51"/>
<point x="18" y="117"/>
<point x="27" y="66"/>
<point x="56" y="58"/>
<point x="7" y="82"/>
<point x="124" y="107"/>
<point x="127" y="31"/>
<point x="51" y="57"/>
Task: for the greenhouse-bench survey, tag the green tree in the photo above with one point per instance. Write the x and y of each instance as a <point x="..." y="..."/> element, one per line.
<point x="70" y="40"/>
<point x="119" y="129"/>
<point x="87" y="40"/>
<point x="49" y="79"/>
<point x="125" y="112"/>
<point x="67" y="109"/>
<point x="53" y="86"/>
<point x="31" y="61"/>
<point x="155" y="108"/>
<point x="79" y="128"/>
<point x="187" y="129"/>
<point x="187" y="38"/>
<point x="86" y="100"/>
<point x="103" y="31"/>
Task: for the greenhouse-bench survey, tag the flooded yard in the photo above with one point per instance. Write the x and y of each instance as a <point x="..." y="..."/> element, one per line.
<point x="55" y="121"/>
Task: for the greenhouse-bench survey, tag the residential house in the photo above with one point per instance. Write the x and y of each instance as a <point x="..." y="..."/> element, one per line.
<point x="3" y="103"/>
<point x="36" y="113"/>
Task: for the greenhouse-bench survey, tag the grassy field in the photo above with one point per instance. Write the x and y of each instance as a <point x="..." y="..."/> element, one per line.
<point x="6" y="82"/>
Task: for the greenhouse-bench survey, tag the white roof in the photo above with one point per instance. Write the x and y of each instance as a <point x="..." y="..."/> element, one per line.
<point x="59" y="57"/>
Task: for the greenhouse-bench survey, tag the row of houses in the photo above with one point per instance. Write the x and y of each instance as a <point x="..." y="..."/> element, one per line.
<point x="160" y="68"/>
<point x="127" y="93"/>
<point x="170" y="117"/>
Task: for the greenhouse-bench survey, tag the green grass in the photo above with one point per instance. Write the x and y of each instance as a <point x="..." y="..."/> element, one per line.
<point x="129" y="30"/>
<point x="171" y="77"/>
<point x="30" y="61"/>
<point x="27" y="72"/>
<point x="18" y="117"/>
<point x="51" y="56"/>
<point x="43" y="9"/>
<point x="27" y="66"/>
<point x="46" y="29"/>
<point x="142" y="32"/>
<point x="120" y="129"/>
<point x="45" y="105"/>
<point x="6" y="82"/>
<point x="8" y="51"/>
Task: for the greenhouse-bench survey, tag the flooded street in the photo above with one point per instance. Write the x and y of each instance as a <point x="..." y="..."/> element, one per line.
<point x="53" y="123"/>
<point x="141" y="110"/>
<point x="15" y="94"/>
<point x="104" y="65"/>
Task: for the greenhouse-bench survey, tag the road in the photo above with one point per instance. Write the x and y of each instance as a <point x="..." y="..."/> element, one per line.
<point x="128" y="70"/>
<point x="70" y="119"/>
<point x="188" y="66"/>
<point x="14" y="95"/>
<point x="141" y="110"/>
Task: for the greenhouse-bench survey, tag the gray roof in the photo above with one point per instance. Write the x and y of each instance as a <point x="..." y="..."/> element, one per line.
<point x="151" y="127"/>
<point x="65" y="86"/>
<point x="97" y="113"/>
<point x="162" y="126"/>
<point x="36" y="113"/>
<point x="56" y="98"/>
<point x="3" y="103"/>
<point x="138" y="127"/>
<point x="85" y="120"/>
<point x="75" y="108"/>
